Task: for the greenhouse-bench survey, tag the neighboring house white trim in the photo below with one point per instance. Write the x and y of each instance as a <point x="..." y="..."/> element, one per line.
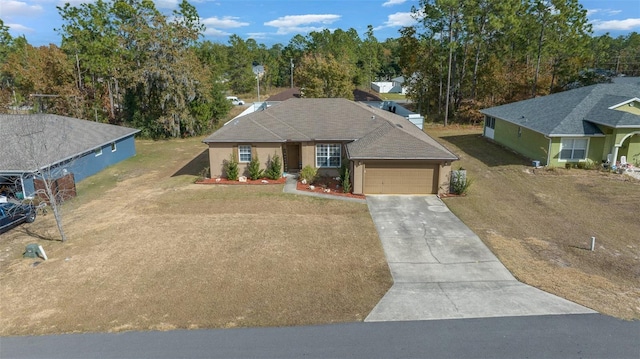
<point x="635" y="99"/>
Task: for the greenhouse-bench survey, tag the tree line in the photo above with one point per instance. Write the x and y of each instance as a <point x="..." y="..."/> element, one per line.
<point x="124" y="62"/>
<point x="482" y="53"/>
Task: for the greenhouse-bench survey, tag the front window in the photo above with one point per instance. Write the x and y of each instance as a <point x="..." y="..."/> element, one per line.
<point x="328" y="155"/>
<point x="244" y="152"/>
<point x="573" y="149"/>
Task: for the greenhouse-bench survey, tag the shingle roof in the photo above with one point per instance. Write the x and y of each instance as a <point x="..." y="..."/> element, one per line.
<point x="370" y="132"/>
<point x="31" y="142"/>
<point x="573" y="112"/>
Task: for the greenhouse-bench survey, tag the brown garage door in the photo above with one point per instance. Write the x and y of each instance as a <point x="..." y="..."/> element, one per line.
<point x="395" y="177"/>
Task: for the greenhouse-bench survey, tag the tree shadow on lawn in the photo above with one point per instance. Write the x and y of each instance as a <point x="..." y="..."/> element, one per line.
<point x="195" y="166"/>
<point x="486" y="151"/>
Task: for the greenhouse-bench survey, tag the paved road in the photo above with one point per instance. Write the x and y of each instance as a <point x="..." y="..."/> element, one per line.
<point x="559" y="336"/>
<point x="442" y="270"/>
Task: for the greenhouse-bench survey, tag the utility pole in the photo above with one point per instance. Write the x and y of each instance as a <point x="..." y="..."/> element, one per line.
<point x="291" y="61"/>
<point x="258" y="70"/>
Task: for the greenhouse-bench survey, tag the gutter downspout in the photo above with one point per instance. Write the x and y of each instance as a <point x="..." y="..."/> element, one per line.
<point x="548" y="150"/>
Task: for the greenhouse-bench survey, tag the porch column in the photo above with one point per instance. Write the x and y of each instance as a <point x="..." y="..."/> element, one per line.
<point x="615" y="155"/>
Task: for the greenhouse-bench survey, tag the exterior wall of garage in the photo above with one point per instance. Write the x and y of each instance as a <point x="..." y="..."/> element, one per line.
<point x="400" y="176"/>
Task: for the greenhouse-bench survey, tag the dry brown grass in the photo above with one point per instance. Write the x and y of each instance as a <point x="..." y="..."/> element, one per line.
<point x="540" y="222"/>
<point x="150" y="250"/>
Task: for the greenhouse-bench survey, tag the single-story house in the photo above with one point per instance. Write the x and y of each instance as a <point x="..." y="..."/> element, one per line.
<point x="396" y="85"/>
<point x="385" y="152"/>
<point x="598" y="124"/>
<point x="415" y="118"/>
<point x="44" y="145"/>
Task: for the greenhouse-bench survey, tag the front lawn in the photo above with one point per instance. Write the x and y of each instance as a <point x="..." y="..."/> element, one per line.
<point x="540" y="222"/>
<point x="150" y="250"/>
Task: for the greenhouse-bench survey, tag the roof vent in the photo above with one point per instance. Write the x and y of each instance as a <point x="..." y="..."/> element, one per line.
<point x="373" y="117"/>
<point x="399" y="125"/>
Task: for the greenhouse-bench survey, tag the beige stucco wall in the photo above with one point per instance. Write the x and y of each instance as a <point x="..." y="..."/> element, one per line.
<point x="444" y="172"/>
<point x="308" y="154"/>
<point x="220" y="152"/>
<point x="357" y="176"/>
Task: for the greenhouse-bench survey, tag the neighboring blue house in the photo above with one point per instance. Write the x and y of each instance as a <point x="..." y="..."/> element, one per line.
<point x="50" y="146"/>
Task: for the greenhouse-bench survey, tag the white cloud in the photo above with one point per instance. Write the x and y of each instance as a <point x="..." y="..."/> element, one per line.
<point x="258" y="35"/>
<point x="216" y="33"/>
<point x="393" y="2"/>
<point x="215" y="24"/>
<point x="399" y="19"/>
<point x="19" y="29"/>
<point x="606" y="12"/>
<point x="227" y="22"/>
<point x="19" y="8"/>
<point x="302" y="23"/>
<point x="616" y="25"/>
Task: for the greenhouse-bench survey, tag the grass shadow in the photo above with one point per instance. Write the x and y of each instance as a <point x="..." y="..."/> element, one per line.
<point x="486" y="151"/>
<point x="195" y="166"/>
<point x="580" y="248"/>
<point x="39" y="236"/>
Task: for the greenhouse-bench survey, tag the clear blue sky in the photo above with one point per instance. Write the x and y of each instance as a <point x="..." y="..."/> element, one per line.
<point x="277" y="21"/>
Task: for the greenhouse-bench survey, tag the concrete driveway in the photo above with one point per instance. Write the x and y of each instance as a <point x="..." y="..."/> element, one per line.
<point x="442" y="270"/>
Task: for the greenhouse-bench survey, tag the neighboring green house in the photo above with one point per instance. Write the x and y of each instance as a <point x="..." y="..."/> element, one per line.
<point x="598" y="123"/>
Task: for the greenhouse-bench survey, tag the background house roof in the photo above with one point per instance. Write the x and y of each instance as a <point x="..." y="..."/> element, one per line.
<point x="572" y="112"/>
<point x="31" y="142"/>
<point x="377" y="133"/>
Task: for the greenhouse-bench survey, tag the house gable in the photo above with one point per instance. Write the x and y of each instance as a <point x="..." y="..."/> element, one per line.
<point x="631" y="106"/>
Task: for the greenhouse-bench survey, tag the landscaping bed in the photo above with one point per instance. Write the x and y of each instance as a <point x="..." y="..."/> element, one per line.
<point x="248" y="181"/>
<point x="327" y="185"/>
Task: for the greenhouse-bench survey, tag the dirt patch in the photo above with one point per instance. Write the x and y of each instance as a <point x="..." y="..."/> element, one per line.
<point x="539" y="223"/>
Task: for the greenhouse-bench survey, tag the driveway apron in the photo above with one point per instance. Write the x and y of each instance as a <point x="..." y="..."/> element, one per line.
<point x="442" y="270"/>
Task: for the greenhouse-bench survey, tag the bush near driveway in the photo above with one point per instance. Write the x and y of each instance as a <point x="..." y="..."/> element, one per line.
<point x="539" y="223"/>
<point x="150" y="250"/>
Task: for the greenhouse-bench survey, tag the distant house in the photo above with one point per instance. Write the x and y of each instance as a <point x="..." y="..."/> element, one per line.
<point x="38" y="145"/>
<point x="598" y="123"/>
<point x="396" y="85"/>
<point x="384" y="152"/>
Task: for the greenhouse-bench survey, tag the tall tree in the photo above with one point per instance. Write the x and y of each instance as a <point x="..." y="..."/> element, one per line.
<point x="324" y="77"/>
<point x="370" y="55"/>
<point x="240" y="75"/>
